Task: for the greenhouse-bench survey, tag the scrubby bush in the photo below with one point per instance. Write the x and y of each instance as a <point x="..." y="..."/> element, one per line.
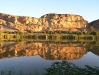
<point x="67" y="68"/>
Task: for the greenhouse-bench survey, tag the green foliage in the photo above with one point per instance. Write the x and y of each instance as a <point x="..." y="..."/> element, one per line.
<point x="94" y="33"/>
<point x="19" y="32"/>
<point x="52" y="35"/>
<point x="42" y="37"/>
<point x="59" y="68"/>
<point x="30" y="31"/>
<point x="67" y="68"/>
<point x="77" y="32"/>
<point x="68" y="37"/>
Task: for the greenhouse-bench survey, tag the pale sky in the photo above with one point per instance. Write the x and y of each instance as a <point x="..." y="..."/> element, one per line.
<point x="89" y="9"/>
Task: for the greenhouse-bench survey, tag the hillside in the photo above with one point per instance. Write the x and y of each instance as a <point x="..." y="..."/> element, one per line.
<point x="94" y="25"/>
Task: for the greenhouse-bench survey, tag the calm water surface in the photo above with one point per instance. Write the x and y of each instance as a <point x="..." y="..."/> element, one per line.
<point x="35" y="56"/>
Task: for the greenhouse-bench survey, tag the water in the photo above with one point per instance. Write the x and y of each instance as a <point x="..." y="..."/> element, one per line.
<point x="35" y="56"/>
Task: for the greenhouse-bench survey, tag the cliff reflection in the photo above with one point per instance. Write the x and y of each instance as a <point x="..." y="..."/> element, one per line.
<point x="94" y="49"/>
<point x="47" y="51"/>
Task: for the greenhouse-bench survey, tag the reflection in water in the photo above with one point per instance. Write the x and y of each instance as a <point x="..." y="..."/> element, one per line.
<point x="95" y="49"/>
<point x="47" y="51"/>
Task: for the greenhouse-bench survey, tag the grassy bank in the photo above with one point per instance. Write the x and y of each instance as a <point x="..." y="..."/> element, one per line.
<point x="50" y="35"/>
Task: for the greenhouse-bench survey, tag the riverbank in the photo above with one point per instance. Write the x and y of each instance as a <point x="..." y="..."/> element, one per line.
<point x="50" y="35"/>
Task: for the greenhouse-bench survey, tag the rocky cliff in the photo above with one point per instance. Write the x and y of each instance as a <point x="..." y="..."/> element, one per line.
<point x="50" y="21"/>
<point x="46" y="51"/>
<point x="94" y="25"/>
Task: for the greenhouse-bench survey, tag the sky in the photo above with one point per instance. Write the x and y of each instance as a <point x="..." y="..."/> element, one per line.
<point x="89" y="9"/>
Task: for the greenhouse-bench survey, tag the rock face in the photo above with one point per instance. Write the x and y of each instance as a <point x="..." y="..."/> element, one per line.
<point x="46" y="51"/>
<point x="94" y="25"/>
<point x="46" y="22"/>
<point x="63" y="21"/>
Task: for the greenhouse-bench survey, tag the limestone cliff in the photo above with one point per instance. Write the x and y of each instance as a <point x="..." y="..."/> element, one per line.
<point x="50" y="21"/>
<point x="46" y="51"/>
<point x="63" y="21"/>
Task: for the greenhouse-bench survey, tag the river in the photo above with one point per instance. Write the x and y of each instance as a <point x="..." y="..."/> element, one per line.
<point x="30" y="56"/>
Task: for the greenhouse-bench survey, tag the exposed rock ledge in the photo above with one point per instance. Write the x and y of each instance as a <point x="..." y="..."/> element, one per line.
<point x="46" y="22"/>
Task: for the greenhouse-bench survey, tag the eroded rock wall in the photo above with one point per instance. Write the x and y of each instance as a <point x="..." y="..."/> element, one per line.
<point x="63" y="21"/>
<point x="46" y="22"/>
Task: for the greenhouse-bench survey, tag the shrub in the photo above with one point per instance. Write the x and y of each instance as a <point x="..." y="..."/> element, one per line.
<point x="67" y="68"/>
